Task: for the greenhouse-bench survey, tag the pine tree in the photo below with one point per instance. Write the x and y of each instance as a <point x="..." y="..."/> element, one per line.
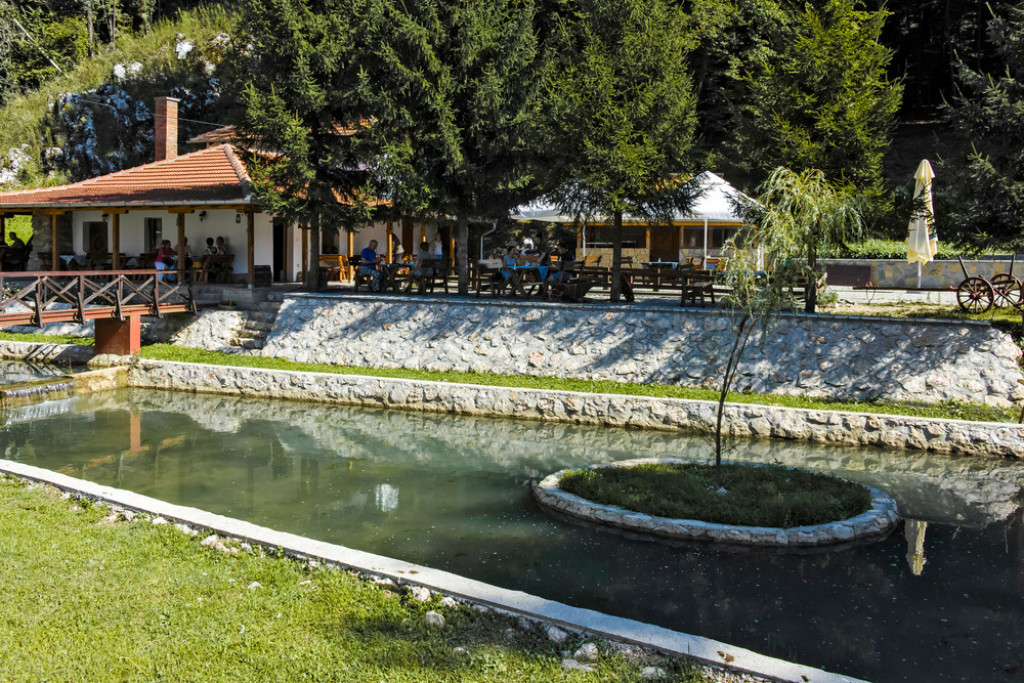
<point x="300" y="74"/>
<point x="455" y="91"/>
<point x="622" y="112"/>
<point x="822" y="100"/>
<point x="985" y="199"/>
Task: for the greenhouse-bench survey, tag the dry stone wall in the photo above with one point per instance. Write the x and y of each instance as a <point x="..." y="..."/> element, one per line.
<point x="841" y="357"/>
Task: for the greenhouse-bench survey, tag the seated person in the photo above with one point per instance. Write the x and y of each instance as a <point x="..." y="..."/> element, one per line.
<point x="222" y="248"/>
<point x="369" y="265"/>
<point x="567" y="259"/>
<point x="509" y="259"/>
<point x="210" y="250"/>
<point x="165" y="258"/>
<point x="420" y="270"/>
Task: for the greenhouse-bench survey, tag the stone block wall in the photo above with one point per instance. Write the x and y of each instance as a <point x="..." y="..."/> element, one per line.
<point x="825" y="356"/>
<point x="935" y="275"/>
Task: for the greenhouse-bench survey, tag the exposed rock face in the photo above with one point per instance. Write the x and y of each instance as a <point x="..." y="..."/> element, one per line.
<point x="821" y="356"/>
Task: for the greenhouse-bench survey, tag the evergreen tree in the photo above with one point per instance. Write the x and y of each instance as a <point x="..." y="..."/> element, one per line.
<point x="822" y="100"/>
<point x="300" y="77"/>
<point x="622" y="113"/>
<point x="985" y="199"/>
<point x="455" y="89"/>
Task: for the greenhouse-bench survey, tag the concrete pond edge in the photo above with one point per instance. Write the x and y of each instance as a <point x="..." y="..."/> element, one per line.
<point x="576" y="619"/>
<point x="877" y="521"/>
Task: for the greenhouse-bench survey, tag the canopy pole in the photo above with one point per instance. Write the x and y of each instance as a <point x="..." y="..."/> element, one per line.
<point x="704" y="263"/>
<point x="115" y="255"/>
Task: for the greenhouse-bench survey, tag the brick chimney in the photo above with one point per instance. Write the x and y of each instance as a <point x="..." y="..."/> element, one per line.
<point x="165" y="133"/>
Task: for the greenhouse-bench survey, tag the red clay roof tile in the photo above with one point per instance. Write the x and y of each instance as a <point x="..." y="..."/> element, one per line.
<point x="210" y="176"/>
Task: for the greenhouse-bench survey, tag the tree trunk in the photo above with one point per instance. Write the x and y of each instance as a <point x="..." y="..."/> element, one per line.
<point x="462" y="247"/>
<point x="313" y="271"/>
<point x="739" y="345"/>
<point x="811" y="303"/>
<point x="616" y="285"/>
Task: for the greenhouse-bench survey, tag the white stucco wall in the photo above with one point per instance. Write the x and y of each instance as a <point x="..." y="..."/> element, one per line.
<point x="198" y="227"/>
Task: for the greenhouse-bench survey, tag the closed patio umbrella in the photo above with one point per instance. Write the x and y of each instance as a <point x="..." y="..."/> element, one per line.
<point x="922" y="240"/>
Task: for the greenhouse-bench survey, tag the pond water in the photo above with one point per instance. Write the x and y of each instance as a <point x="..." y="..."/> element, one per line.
<point x="13" y="372"/>
<point x="942" y="598"/>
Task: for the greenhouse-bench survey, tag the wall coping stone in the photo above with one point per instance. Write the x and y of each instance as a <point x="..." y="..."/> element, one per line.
<point x="623" y="410"/>
<point x="621" y="308"/>
<point x="877" y="521"/>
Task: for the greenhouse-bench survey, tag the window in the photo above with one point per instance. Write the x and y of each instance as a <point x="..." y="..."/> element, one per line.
<point x="154" y="233"/>
<point x="633" y="236"/>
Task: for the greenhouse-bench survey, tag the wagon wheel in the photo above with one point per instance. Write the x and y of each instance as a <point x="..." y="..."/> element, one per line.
<point x="1008" y="289"/>
<point x="975" y="295"/>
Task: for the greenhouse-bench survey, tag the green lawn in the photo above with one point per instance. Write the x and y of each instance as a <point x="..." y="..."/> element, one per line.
<point x="85" y="597"/>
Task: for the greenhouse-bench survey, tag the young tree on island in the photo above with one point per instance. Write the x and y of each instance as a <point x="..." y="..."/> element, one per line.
<point x="622" y="112"/>
<point x="301" y="119"/>
<point x="798" y="213"/>
<point x="455" y="88"/>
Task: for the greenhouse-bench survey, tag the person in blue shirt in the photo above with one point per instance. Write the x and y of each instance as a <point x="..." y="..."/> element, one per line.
<point x="368" y="265"/>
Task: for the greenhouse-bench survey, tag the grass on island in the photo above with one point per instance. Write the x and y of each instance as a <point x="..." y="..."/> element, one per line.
<point x="767" y="495"/>
<point x="948" y="409"/>
<point x="85" y="597"/>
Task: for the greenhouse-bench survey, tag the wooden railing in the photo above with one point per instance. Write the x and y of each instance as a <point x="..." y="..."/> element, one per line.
<point x="35" y="297"/>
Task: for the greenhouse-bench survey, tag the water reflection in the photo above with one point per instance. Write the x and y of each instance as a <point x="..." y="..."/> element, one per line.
<point x="13" y="372"/>
<point x="453" y="493"/>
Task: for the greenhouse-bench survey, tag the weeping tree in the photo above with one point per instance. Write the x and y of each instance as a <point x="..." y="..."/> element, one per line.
<point x="815" y="213"/>
<point x="796" y="214"/>
<point x="622" y="111"/>
<point x="298" y="77"/>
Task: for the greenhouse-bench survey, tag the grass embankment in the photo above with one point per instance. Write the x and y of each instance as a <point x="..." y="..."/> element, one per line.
<point x="766" y="496"/>
<point x="47" y="338"/>
<point x="949" y="409"/>
<point x="85" y="597"/>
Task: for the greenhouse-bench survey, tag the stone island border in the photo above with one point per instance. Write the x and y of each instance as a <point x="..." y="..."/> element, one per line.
<point x="877" y="521"/>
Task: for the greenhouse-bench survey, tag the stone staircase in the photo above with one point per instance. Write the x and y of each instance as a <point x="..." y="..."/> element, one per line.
<point x="259" y="321"/>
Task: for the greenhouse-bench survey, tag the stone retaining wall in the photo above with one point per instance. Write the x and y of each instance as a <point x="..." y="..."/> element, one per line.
<point x="840" y="357"/>
<point x="898" y="274"/>
<point x="889" y="431"/>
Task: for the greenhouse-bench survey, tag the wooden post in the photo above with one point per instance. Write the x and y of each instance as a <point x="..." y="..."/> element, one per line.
<point x="648" y="245"/>
<point x="305" y="250"/>
<point x="119" y="337"/>
<point x="179" y="263"/>
<point x="250" y="247"/>
<point x="423" y="236"/>
<point x="115" y="253"/>
<point x="54" y="256"/>
<point x="351" y="252"/>
<point x="389" y="239"/>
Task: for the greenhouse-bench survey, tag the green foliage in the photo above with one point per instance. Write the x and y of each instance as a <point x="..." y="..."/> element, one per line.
<point x="985" y="201"/>
<point x="822" y="99"/>
<point x="110" y="600"/>
<point x="766" y="496"/>
<point x="182" y="354"/>
<point x="805" y="214"/>
<point x="456" y="89"/>
<point x="622" y="113"/>
<point x="895" y="249"/>
<point x="20" y="226"/>
<point x="298" y="82"/>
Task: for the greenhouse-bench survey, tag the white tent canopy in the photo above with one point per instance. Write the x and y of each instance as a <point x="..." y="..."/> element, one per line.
<point x="715" y="204"/>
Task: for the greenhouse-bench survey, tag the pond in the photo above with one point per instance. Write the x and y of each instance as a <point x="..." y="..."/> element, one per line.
<point x="942" y="598"/>
<point x="14" y="372"/>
